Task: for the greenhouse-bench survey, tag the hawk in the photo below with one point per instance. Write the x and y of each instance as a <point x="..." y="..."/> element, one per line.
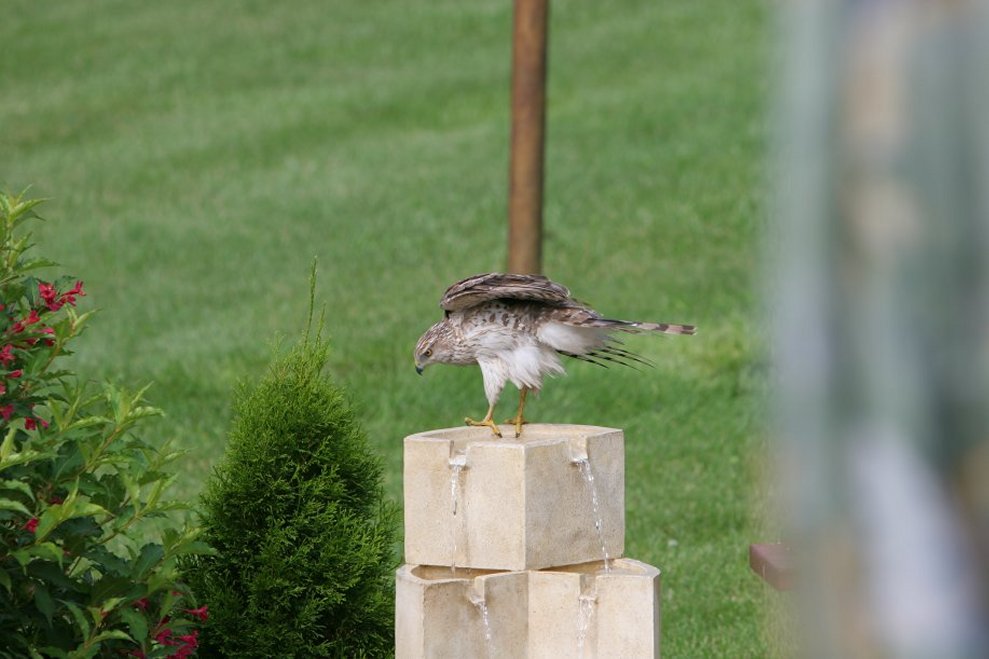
<point x="516" y="327"/>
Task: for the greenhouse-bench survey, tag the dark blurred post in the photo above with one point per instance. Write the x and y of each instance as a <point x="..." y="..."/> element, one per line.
<point x="883" y="324"/>
<point x="525" y="184"/>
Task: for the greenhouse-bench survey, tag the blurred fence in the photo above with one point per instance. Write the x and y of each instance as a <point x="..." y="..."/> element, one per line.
<point x="882" y="323"/>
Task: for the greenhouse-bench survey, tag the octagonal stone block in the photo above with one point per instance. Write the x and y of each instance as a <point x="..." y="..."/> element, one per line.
<point x="555" y="496"/>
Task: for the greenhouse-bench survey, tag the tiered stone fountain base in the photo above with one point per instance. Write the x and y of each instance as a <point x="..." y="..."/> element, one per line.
<point x="514" y="548"/>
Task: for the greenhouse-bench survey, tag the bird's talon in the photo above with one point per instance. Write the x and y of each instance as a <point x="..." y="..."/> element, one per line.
<point x="486" y="421"/>
<point x="518" y="422"/>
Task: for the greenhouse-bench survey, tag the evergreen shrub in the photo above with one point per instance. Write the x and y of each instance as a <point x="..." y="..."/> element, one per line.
<point x="303" y="533"/>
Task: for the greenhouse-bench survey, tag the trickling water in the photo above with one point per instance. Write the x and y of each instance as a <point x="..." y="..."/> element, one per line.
<point x="585" y="612"/>
<point x="585" y="469"/>
<point x="482" y="607"/>
<point x="457" y="464"/>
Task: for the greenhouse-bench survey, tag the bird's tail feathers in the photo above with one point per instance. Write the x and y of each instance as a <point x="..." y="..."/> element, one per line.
<point x="611" y="355"/>
<point x="635" y="327"/>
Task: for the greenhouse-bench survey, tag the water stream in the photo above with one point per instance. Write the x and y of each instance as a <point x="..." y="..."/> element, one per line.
<point x="586" y="603"/>
<point x="584" y="464"/>
<point x="457" y="464"/>
<point x="482" y="607"/>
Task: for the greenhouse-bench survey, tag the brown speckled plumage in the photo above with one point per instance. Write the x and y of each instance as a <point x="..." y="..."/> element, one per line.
<point x="516" y="326"/>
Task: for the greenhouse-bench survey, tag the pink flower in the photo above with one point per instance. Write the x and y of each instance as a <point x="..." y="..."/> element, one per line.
<point x="202" y="612"/>
<point x="7" y="411"/>
<point x="141" y="604"/>
<point x="31" y="525"/>
<point x="30" y="423"/>
<point x="15" y="374"/>
<point x="69" y="297"/>
<point x="3" y="388"/>
<point x="6" y="354"/>
<point x="189" y="644"/>
<point x="48" y="295"/>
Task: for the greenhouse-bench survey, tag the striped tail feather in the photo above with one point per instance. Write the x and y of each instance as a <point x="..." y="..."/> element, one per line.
<point x="662" y="328"/>
<point x="635" y="327"/>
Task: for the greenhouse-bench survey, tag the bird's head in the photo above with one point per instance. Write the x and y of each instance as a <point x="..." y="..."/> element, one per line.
<point x="434" y="347"/>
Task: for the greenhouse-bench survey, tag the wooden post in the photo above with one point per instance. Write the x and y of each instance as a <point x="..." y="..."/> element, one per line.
<point x="525" y="179"/>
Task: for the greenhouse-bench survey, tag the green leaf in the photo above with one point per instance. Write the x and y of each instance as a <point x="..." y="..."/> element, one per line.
<point x="23" y="457"/>
<point x="7" y="448"/>
<point x="151" y="554"/>
<point x="117" y="634"/>
<point x="112" y="564"/>
<point x="5" y="580"/>
<point x="19" y="486"/>
<point x="136" y="622"/>
<point x="16" y="506"/>
<point x="87" y="422"/>
<point x="84" y="651"/>
<point x="86" y="508"/>
<point x="34" y="264"/>
<point x="44" y="550"/>
<point x="22" y="556"/>
<point x="44" y="602"/>
<point x="49" y="519"/>
<point x="194" y="547"/>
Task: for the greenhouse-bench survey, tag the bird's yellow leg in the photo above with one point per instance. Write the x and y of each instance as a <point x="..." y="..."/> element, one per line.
<point x="519" y="420"/>
<point x="486" y="421"/>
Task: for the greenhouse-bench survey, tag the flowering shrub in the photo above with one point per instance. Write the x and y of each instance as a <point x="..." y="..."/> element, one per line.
<point x="304" y="536"/>
<point x="81" y="495"/>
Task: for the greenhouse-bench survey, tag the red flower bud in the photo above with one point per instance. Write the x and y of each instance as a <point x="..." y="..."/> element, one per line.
<point x="31" y="525"/>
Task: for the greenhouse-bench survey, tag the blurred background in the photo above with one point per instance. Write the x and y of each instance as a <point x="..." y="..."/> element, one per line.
<point x="880" y="296"/>
<point x="198" y="155"/>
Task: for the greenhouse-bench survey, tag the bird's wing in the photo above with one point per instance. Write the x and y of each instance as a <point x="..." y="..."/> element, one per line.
<point x="478" y="289"/>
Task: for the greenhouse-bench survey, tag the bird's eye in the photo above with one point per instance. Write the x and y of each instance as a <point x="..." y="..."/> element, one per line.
<point x="428" y="353"/>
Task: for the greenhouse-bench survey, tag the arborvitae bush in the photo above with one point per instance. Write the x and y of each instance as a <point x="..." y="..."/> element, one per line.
<point x="303" y="534"/>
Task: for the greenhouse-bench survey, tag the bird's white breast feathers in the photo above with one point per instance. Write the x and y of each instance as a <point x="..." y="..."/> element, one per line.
<point x="508" y="353"/>
<point x="523" y="365"/>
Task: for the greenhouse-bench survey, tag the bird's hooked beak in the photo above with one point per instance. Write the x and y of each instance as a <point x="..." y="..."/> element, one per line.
<point x="419" y="369"/>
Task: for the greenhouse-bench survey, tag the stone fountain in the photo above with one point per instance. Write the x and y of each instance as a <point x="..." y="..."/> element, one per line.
<point x="515" y="548"/>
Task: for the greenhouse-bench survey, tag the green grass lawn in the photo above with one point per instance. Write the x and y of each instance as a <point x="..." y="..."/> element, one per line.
<point x="198" y="155"/>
